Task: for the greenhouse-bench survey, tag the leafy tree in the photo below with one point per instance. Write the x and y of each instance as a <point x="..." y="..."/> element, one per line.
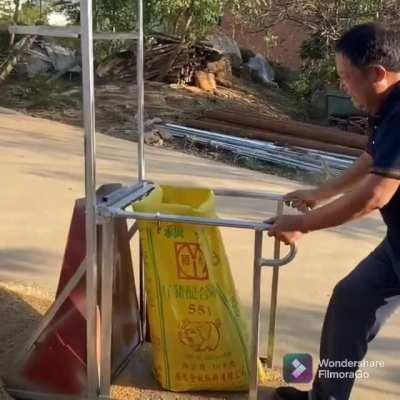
<point x="27" y="12"/>
<point x="324" y="20"/>
<point x="188" y="19"/>
<point x="9" y="10"/>
<point x="70" y="8"/>
<point x="33" y="12"/>
<point x="114" y="15"/>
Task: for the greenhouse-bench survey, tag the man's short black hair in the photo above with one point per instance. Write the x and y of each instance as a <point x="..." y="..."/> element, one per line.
<point x="369" y="44"/>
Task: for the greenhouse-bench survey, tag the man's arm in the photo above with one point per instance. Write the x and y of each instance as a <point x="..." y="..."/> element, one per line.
<point x="348" y="180"/>
<point x="373" y="193"/>
<point x="302" y="199"/>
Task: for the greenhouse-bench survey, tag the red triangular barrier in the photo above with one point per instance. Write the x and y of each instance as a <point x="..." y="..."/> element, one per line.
<point x="57" y="362"/>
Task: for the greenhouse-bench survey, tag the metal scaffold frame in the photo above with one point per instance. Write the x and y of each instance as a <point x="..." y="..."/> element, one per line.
<point x="113" y="207"/>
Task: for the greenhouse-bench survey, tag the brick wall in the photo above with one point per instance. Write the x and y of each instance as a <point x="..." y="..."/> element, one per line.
<point x="285" y="50"/>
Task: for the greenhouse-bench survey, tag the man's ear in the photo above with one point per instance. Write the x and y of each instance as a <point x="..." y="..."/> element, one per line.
<point x="377" y="74"/>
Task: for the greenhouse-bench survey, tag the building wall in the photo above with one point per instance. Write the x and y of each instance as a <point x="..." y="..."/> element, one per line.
<point x="285" y="50"/>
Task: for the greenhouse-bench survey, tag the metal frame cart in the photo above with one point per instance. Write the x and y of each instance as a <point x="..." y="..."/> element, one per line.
<point x="113" y="208"/>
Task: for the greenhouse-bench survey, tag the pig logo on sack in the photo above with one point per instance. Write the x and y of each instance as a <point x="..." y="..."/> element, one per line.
<point x="191" y="262"/>
<point x="200" y="335"/>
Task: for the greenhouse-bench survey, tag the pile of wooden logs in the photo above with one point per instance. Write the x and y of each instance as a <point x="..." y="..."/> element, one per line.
<point x="245" y="123"/>
<point x="166" y="60"/>
<point x="18" y="50"/>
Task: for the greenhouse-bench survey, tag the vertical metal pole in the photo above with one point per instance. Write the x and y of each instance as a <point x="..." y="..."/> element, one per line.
<point x="142" y="299"/>
<point x="90" y="189"/>
<point x="274" y="296"/>
<point x="107" y="279"/>
<point x="255" y="331"/>
<point x="140" y="88"/>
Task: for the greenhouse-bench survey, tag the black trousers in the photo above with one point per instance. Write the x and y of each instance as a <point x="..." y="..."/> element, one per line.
<point x="359" y="306"/>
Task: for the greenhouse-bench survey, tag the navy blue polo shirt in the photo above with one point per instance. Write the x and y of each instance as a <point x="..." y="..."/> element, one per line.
<point x="384" y="147"/>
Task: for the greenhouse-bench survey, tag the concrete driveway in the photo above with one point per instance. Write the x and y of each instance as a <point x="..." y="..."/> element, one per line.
<point x="42" y="172"/>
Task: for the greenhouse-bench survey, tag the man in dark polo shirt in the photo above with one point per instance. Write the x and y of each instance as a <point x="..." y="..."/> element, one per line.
<point x="368" y="63"/>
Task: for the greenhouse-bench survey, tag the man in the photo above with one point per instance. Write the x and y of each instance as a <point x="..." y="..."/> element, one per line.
<point x="368" y="63"/>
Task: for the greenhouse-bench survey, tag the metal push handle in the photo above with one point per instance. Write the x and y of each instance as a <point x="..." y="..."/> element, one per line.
<point x="259" y="262"/>
<point x="264" y="262"/>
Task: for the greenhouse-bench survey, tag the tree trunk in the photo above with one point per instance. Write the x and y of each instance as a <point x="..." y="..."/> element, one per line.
<point x="17" y="4"/>
<point x="15" y="19"/>
<point x="94" y="15"/>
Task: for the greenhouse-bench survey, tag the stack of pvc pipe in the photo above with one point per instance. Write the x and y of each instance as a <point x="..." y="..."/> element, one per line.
<point x="305" y="159"/>
<point x="319" y="134"/>
<point x="247" y="124"/>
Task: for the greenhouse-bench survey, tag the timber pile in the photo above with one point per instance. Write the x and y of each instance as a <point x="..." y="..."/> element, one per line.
<point x="243" y="122"/>
<point x="166" y="60"/>
<point x="15" y="55"/>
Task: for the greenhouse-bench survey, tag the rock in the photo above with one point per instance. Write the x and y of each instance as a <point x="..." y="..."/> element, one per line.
<point x="152" y="135"/>
<point x="261" y="70"/>
<point x="47" y="57"/>
<point x="63" y="58"/>
<point x="153" y="138"/>
<point x="164" y="133"/>
<point x="148" y="124"/>
<point x="224" y="44"/>
<point x="35" y="66"/>
<point x="205" y="81"/>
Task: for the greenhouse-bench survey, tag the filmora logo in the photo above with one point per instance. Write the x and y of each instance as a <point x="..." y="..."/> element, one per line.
<point x="297" y="368"/>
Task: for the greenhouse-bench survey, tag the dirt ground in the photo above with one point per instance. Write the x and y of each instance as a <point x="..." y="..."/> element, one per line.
<point x="116" y="107"/>
<point x="116" y="110"/>
<point x="23" y="306"/>
<point x="116" y="102"/>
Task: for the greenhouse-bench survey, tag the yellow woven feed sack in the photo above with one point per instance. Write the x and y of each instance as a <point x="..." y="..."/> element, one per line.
<point x="196" y="326"/>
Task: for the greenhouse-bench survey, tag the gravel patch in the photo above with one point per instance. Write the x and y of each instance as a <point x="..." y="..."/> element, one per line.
<point x="21" y="309"/>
